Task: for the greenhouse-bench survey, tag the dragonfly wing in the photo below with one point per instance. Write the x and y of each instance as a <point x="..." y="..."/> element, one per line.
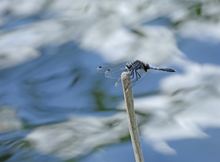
<point x="111" y="71"/>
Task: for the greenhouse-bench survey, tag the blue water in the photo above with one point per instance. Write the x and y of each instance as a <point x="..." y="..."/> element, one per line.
<point x="61" y="91"/>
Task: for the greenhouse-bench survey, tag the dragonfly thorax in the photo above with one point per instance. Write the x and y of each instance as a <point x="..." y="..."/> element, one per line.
<point x="137" y="65"/>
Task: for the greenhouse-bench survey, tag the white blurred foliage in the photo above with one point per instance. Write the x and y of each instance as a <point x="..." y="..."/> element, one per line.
<point x="103" y="26"/>
<point x="201" y="30"/>
<point x="79" y="135"/>
<point x="106" y="26"/>
<point x="9" y="120"/>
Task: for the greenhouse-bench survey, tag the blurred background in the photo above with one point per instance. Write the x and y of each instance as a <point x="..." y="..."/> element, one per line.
<point x="55" y="107"/>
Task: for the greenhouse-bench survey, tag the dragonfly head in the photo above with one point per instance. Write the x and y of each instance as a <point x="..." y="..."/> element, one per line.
<point x="146" y="67"/>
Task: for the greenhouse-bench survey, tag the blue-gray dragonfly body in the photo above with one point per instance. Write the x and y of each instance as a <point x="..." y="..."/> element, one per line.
<point x="136" y="70"/>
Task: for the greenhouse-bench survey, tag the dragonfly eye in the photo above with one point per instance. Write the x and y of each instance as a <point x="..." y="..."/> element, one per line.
<point x="146" y="67"/>
<point x="99" y="67"/>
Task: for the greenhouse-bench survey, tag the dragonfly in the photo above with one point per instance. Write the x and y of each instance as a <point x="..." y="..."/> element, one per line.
<point x="136" y="70"/>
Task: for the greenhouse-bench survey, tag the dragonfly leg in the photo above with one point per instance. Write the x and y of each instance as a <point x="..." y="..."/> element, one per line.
<point x="139" y="76"/>
<point x="132" y="74"/>
<point x="136" y="75"/>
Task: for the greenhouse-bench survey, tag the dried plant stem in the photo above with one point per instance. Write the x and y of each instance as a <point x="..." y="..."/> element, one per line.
<point x="133" y="127"/>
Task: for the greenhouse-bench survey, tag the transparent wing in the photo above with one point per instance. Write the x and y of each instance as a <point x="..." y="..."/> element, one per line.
<point x="112" y="71"/>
